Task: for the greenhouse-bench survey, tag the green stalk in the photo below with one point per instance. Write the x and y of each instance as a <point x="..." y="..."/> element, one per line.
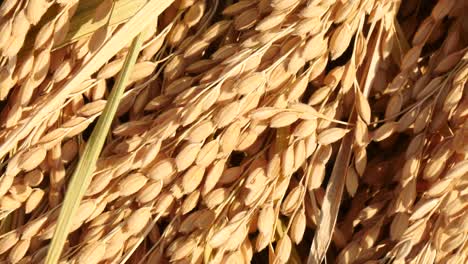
<point x="81" y="178"/>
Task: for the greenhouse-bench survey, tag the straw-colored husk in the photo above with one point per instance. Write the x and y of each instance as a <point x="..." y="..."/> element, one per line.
<point x="265" y="131"/>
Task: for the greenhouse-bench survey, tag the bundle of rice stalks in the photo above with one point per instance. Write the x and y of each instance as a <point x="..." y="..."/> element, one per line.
<point x="251" y="131"/>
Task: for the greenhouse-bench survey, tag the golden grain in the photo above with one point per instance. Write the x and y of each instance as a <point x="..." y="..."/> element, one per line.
<point x="214" y="137"/>
<point x="331" y="135"/>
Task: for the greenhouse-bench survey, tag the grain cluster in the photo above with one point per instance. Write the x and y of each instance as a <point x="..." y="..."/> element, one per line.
<point x="250" y="131"/>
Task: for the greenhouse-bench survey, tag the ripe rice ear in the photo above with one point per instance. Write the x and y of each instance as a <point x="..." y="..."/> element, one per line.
<point x="236" y="131"/>
<point x="109" y="49"/>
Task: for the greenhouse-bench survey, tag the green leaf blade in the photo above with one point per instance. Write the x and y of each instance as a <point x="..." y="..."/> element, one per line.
<point x="81" y="177"/>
